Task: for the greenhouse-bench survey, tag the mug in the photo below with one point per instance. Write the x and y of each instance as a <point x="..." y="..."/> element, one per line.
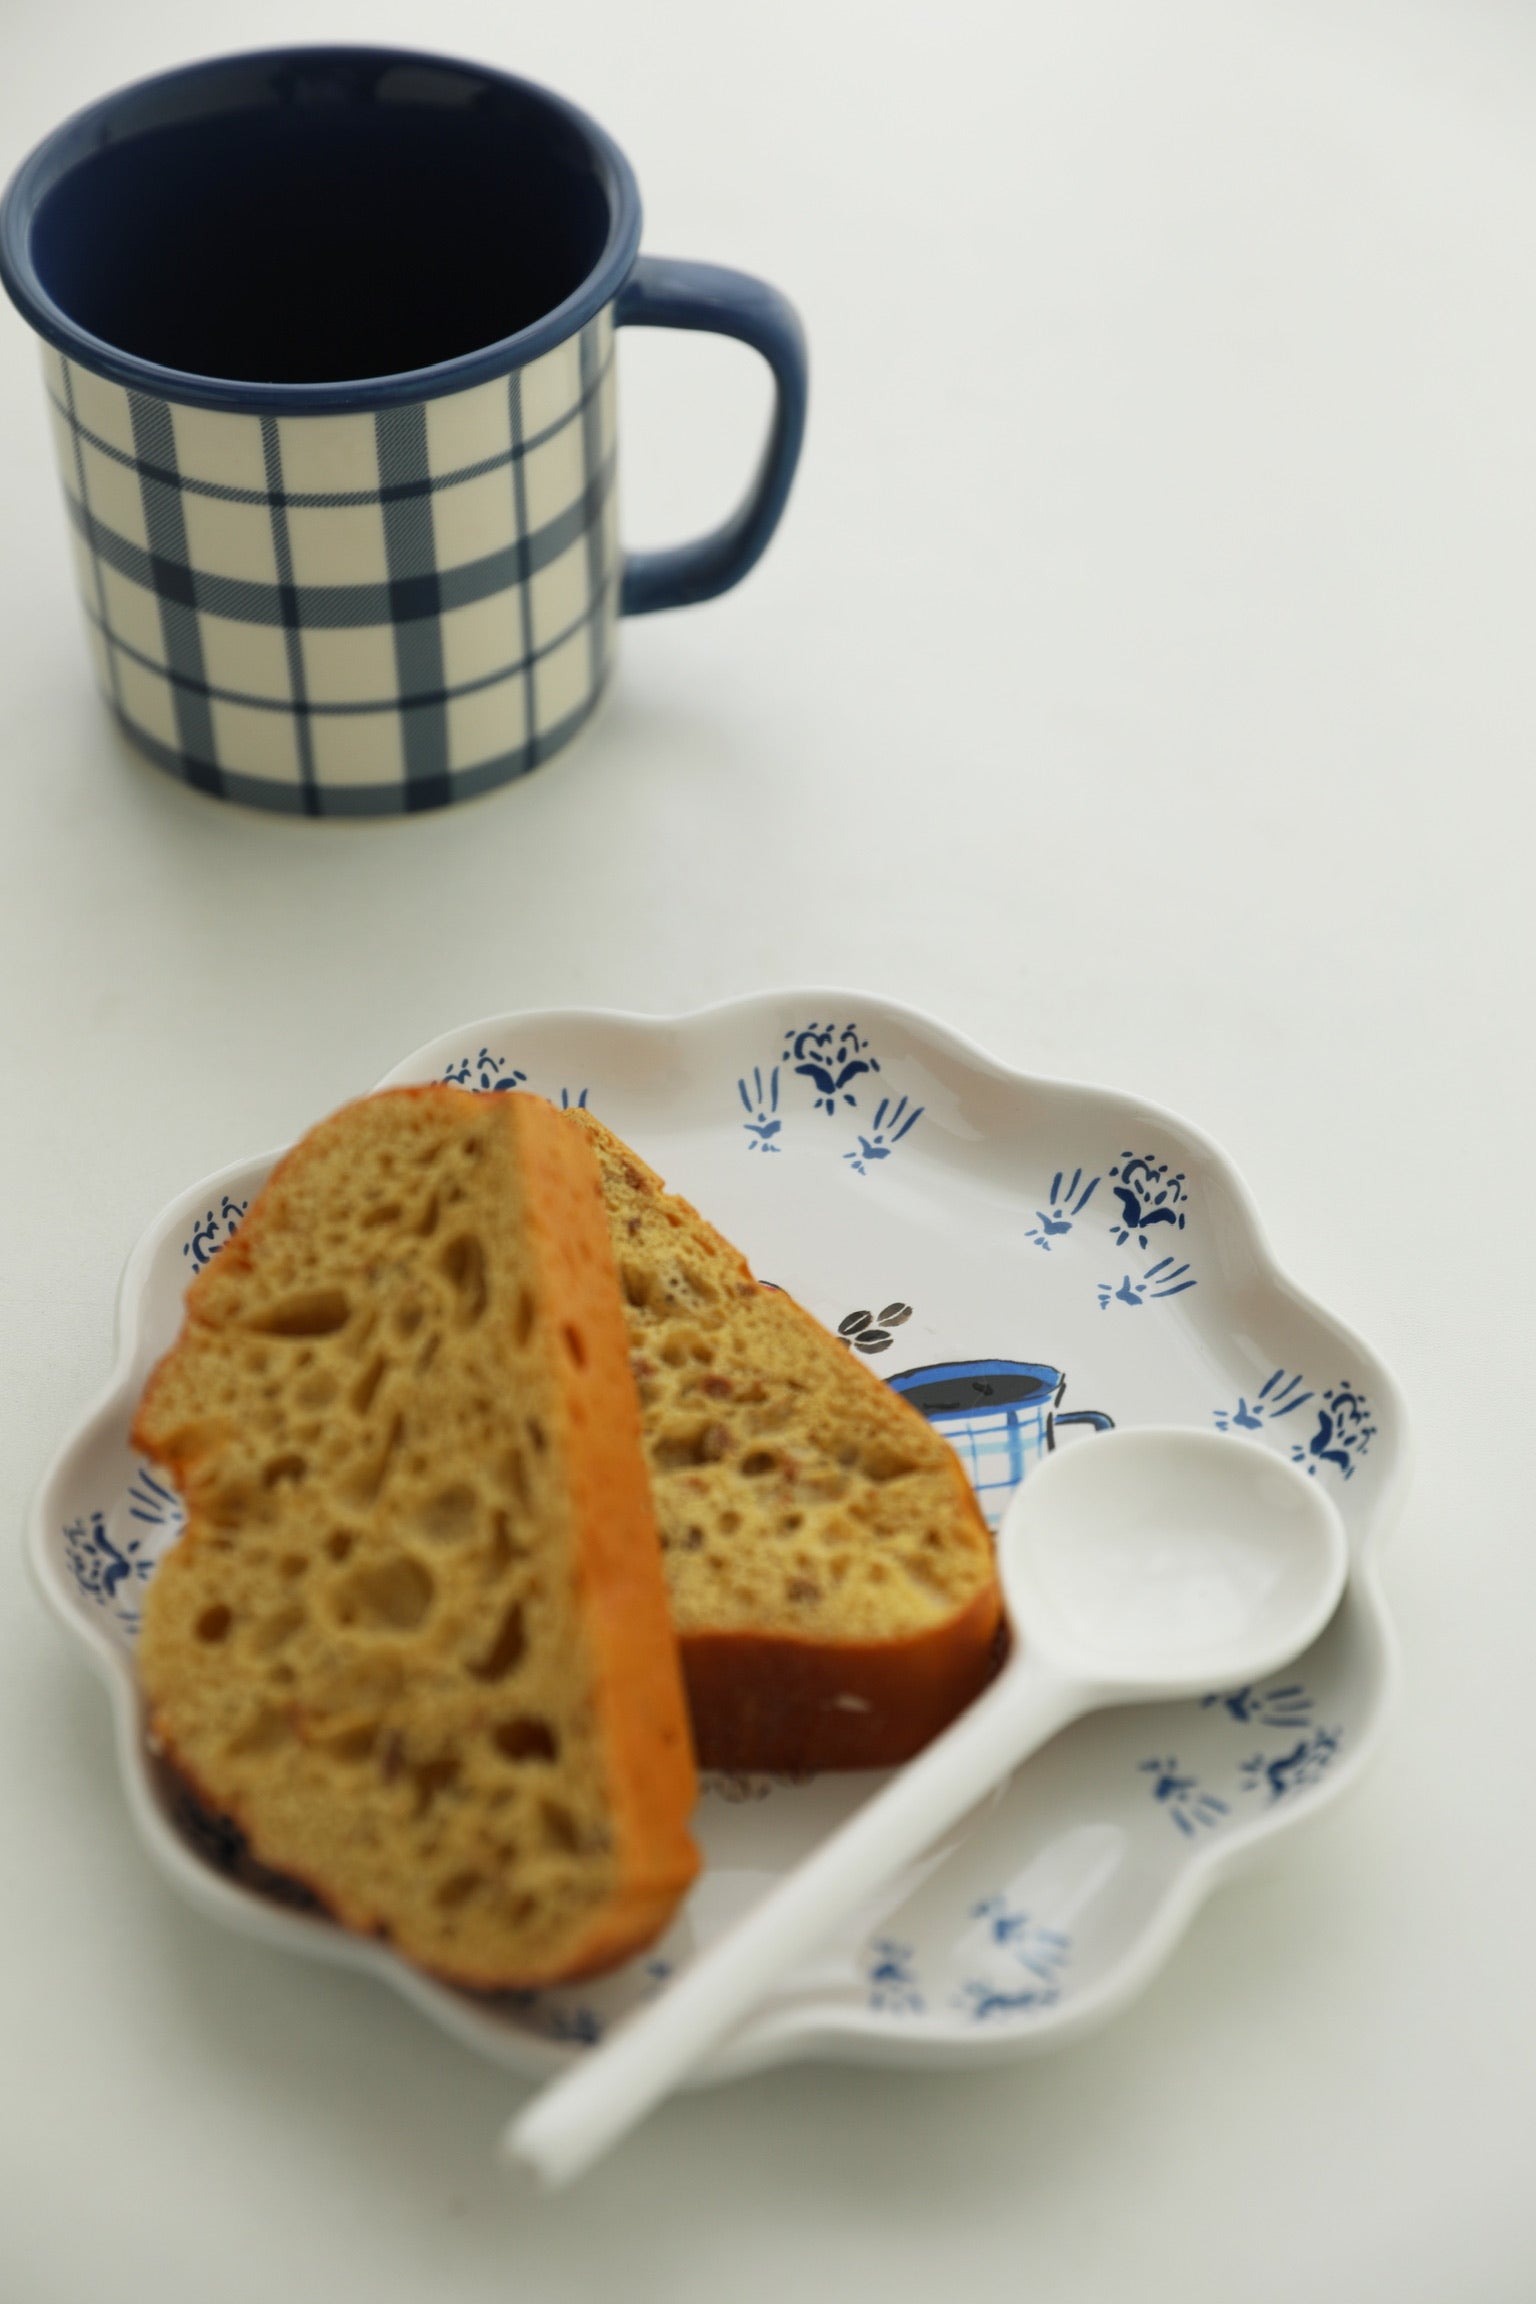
<point x="999" y="1416"/>
<point x="329" y="340"/>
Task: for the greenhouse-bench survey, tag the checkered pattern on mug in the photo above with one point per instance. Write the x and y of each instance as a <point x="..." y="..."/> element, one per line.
<point x="997" y="1450"/>
<point x="350" y="615"/>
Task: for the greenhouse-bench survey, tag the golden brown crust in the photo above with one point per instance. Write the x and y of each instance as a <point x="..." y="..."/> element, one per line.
<point x="832" y="1579"/>
<point x="805" y="1705"/>
<point x="415" y="1642"/>
<point x="637" y="1684"/>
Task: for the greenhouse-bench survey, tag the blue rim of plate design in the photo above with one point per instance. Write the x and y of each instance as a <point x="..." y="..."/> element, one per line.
<point x="1022" y="1989"/>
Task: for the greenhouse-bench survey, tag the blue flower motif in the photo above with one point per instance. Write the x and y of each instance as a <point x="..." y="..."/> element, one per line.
<point x="1277" y="1396"/>
<point x="762" y="1123"/>
<point x="888" y="1972"/>
<point x="982" y="2001"/>
<point x="891" y="1123"/>
<point x="485" y="1074"/>
<point x="1149" y="1195"/>
<point x="1189" y="1807"/>
<point x="570" y="1103"/>
<point x="1290" y="1771"/>
<point x="1164" y="1278"/>
<point x="1043" y="1951"/>
<point x="106" y="1572"/>
<point x="209" y="1234"/>
<point x="1283" y="1707"/>
<point x="1063" y="1204"/>
<point x="582" y="2026"/>
<point x="831" y="1057"/>
<point x="1343" y="1435"/>
<point x="151" y="1501"/>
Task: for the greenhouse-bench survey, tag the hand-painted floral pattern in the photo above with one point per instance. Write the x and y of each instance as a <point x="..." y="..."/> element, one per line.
<point x="210" y="1232"/>
<point x="1065" y="1202"/>
<point x="580" y="2027"/>
<point x="1043" y="1951"/>
<point x="892" y="1985"/>
<point x="154" y="1503"/>
<point x="1010" y="1961"/>
<point x="1279" y="1395"/>
<point x="1189" y="1808"/>
<point x="112" y="1573"/>
<point x="831" y="1057"/>
<point x="1284" y="1707"/>
<point x="838" y="1065"/>
<point x="488" y="1075"/>
<point x="1281" y="1773"/>
<point x="1150" y="1196"/>
<point x="892" y="1121"/>
<point x="1343" y="1433"/>
<point x="112" y="1568"/>
<point x="1164" y="1278"/>
<point x="982" y="2001"/>
<point x="736" y="1785"/>
<point x="1342" y="1426"/>
<point x="485" y="1074"/>
<point x="761" y="1105"/>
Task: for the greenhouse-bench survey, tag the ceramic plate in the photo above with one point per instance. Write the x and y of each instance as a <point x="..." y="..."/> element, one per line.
<point x="1031" y="1262"/>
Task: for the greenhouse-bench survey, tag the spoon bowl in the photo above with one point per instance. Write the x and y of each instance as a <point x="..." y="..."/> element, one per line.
<point x="1146" y="1564"/>
<point x="1169" y="1562"/>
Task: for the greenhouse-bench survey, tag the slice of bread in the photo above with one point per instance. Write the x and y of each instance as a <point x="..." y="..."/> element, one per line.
<point x="832" y="1580"/>
<point x="414" y="1641"/>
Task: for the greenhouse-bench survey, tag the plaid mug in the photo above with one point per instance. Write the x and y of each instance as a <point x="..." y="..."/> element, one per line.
<point x="1001" y="1417"/>
<point x="328" y="335"/>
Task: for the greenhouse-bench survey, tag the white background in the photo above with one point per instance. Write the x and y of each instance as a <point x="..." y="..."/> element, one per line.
<point x="1142" y="683"/>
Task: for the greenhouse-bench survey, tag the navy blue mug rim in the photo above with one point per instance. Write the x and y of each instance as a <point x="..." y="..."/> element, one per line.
<point x="74" y="138"/>
<point x="1035" y="1384"/>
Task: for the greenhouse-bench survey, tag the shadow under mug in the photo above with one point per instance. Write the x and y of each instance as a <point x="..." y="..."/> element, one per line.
<point x="329" y="340"/>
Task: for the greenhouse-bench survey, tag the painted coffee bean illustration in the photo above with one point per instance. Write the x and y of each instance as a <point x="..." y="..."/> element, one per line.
<point x="870" y="1331"/>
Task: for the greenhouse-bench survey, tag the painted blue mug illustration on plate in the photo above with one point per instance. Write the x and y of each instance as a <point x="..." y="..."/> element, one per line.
<point x="999" y="1416"/>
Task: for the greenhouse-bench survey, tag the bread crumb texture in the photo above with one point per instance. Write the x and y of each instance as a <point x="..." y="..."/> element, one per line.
<point x="414" y="1638"/>
<point x="802" y="1504"/>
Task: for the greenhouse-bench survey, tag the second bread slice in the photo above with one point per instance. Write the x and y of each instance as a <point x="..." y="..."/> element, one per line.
<point x="832" y="1580"/>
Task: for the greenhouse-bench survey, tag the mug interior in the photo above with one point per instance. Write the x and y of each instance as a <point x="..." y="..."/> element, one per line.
<point x="977" y="1388"/>
<point x="320" y="215"/>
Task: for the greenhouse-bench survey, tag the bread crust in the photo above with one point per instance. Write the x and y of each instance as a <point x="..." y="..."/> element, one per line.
<point x="637" y="1697"/>
<point x="637" y="1678"/>
<point x="804" y="1705"/>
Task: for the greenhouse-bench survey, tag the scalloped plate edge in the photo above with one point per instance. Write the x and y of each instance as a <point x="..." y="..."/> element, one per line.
<point x="779" y="2033"/>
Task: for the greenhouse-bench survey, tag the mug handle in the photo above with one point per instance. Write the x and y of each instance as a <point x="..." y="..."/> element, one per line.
<point x="666" y="292"/>
<point x="1094" y="1416"/>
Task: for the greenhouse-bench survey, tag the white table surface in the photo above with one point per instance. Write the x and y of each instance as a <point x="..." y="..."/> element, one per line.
<point x="1142" y="682"/>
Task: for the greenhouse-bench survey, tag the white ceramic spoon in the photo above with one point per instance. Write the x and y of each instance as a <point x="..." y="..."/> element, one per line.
<point x="1144" y="1565"/>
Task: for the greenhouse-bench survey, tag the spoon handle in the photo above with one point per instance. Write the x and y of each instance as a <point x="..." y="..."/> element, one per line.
<point x="574" y="2120"/>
